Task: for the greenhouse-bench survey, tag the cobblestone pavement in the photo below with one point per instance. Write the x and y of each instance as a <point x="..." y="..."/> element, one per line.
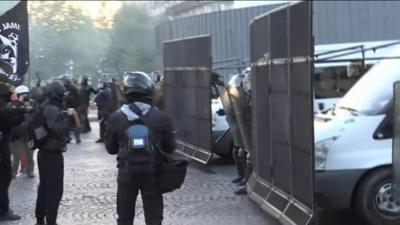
<point x="90" y="194"/>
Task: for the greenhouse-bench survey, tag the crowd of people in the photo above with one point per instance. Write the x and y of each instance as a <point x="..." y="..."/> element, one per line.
<point x="137" y="134"/>
<point x="130" y="127"/>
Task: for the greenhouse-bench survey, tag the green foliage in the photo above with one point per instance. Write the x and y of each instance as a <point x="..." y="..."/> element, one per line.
<point x="132" y="41"/>
<point x="60" y="33"/>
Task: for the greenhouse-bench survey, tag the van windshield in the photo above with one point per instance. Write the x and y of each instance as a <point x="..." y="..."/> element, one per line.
<point x="373" y="92"/>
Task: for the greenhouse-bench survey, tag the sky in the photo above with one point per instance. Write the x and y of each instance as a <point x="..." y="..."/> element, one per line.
<point x="89" y="7"/>
<point x="5" y="5"/>
<point x="104" y="11"/>
<point x="244" y="4"/>
<point x="92" y="7"/>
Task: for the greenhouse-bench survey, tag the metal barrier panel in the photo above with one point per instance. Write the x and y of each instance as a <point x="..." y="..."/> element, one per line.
<point x="396" y="141"/>
<point x="187" y="74"/>
<point x="282" y="123"/>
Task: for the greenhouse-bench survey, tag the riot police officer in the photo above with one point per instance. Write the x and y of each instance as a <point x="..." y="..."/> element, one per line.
<point x="9" y="117"/>
<point x="105" y="107"/>
<point x="133" y="175"/>
<point x="240" y="89"/>
<point x="86" y="90"/>
<point x="229" y="101"/>
<point x="50" y="156"/>
<point x="72" y="102"/>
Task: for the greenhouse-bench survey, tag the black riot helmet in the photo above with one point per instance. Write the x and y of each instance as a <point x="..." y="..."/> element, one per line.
<point x="56" y="91"/>
<point x="138" y="84"/>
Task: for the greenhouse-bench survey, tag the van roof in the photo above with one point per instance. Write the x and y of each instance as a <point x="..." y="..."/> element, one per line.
<point x="372" y="93"/>
<point x="381" y="52"/>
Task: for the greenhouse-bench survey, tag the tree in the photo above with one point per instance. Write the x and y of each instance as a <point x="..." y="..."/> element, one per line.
<point x="60" y="33"/>
<point x="131" y="41"/>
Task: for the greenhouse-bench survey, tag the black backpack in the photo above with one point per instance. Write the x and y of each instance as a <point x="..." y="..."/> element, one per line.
<point x="37" y="131"/>
<point x="141" y="152"/>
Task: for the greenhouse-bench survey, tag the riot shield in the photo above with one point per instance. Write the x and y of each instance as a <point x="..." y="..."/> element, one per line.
<point x="241" y="106"/>
<point x="230" y="115"/>
<point x="187" y="77"/>
<point x="282" y="113"/>
<point x="396" y="141"/>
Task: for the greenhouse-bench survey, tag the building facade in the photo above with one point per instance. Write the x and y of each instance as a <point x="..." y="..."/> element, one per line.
<point x="334" y="22"/>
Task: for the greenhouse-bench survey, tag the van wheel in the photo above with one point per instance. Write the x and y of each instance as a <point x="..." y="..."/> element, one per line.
<point x="374" y="200"/>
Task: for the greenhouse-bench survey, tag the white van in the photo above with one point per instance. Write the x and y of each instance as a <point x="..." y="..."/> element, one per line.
<point x="343" y="68"/>
<point x="353" y="147"/>
<point x="221" y="135"/>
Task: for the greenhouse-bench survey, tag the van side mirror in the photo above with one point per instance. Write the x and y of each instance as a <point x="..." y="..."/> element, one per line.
<point x="221" y="112"/>
<point x="321" y="106"/>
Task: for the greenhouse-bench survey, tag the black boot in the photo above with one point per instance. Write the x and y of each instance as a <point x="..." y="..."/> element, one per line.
<point x="237" y="180"/>
<point x="238" y="164"/>
<point x="242" y="165"/>
<point x="40" y="221"/>
<point x="249" y="170"/>
<point x="241" y="191"/>
<point x="9" y="216"/>
<point x="77" y="136"/>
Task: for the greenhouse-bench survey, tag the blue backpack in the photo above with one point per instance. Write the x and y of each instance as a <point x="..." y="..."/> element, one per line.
<point x="138" y="135"/>
<point x="141" y="147"/>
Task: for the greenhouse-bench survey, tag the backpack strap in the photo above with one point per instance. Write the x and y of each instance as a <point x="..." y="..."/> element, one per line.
<point x="137" y="110"/>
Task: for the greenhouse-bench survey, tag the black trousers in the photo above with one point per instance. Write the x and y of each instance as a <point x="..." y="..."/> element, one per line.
<point x="50" y="191"/>
<point x="102" y="129"/>
<point x="77" y="133"/>
<point x="83" y="115"/>
<point x="86" y="119"/>
<point x="75" y="130"/>
<point x="5" y="176"/>
<point x="103" y="126"/>
<point x="128" y="189"/>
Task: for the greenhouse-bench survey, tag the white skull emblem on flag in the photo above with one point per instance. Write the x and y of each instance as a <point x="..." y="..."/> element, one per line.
<point x="8" y="53"/>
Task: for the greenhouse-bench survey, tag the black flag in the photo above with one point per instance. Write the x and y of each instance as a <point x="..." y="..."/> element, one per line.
<point x="14" y="44"/>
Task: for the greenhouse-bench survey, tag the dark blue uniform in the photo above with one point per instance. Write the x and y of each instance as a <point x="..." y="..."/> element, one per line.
<point x="105" y="107"/>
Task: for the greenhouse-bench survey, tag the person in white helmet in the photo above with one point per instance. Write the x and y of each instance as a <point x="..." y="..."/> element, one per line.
<point x="18" y="143"/>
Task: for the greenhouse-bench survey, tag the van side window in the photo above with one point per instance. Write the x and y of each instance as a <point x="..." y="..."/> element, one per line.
<point x="385" y="129"/>
<point x="334" y="81"/>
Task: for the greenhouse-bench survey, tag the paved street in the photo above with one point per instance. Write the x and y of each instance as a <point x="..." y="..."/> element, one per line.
<point x="90" y="193"/>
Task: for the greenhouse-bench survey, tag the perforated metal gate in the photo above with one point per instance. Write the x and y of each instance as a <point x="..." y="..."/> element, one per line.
<point x="187" y="74"/>
<point x="396" y="141"/>
<point x="283" y="139"/>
